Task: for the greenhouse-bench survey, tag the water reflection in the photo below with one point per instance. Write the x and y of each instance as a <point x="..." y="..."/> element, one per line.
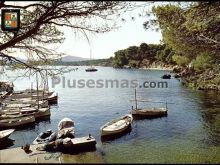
<point x="210" y="112"/>
<point x="7" y="143"/>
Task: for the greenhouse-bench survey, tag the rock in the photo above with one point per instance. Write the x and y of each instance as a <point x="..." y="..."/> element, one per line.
<point x="177" y="75"/>
<point x="166" y="76"/>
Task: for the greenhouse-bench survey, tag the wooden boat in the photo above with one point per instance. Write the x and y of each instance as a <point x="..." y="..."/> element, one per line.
<point x="34" y="95"/>
<point x="117" y="126"/>
<point x="45" y="137"/>
<point x="42" y="112"/>
<point x="5" y="134"/>
<point x="17" y="121"/>
<point x="66" y="128"/>
<point x="17" y="105"/>
<point x="37" y="113"/>
<point x="14" y="103"/>
<point x="52" y="99"/>
<point x="150" y="112"/>
<point x="17" y="111"/>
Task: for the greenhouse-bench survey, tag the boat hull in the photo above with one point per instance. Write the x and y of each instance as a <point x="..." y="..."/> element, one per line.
<point x="149" y="113"/>
<point x="52" y="100"/>
<point x="127" y="125"/>
<point x="17" y="121"/>
<point x="38" y="114"/>
<point x="5" y="134"/>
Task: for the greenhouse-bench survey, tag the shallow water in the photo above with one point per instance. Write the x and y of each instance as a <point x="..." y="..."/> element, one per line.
<point x="189" y="134"/>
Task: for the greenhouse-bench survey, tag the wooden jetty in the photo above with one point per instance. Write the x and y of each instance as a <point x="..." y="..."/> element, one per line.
<point x="18" y="155"/>
<point x="83" y="143"/>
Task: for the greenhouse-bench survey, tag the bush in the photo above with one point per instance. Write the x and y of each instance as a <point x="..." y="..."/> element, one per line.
<point x="203" y="61"/>
<point x="181" y="60"/>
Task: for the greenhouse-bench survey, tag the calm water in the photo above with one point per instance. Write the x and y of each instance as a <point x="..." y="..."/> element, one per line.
<point x="189" y="134"/>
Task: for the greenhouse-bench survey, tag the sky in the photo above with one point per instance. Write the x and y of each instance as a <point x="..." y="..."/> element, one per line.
<point x="131" y="33"/>
<point x="104" y="45"/>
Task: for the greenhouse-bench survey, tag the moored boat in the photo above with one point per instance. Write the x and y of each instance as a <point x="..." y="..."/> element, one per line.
<point x="37" y="113"/>
<point x="42" y="112"/>
<point x="150" y="112"/>
<point x="45" y="137"/>
<point x="66" y="128"/>
<point x="117" y="126"/>
<point x="17" y="121"/>
<point x="53" y="99"/>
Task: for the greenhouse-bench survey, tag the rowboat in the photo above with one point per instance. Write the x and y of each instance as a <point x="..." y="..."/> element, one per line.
<point x="5" y="134"/>
<point x="52" y="99"/>
<point x="17" y="111"/>
<point x="17" y="105"/>
<point x="150" y="112"/>
<point x="117" y="126"/>
<point x="45" y="137"/>
<point x="17" y="121"/>
<point x="24" y="102"/>
<point x="40" y="95"/>
<point x="42" y="112"/>
<point x="37" y="113"/>
<point x="66" y="128"/>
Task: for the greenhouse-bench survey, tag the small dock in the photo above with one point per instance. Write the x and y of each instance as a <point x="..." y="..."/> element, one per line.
<point x="84" y="143"/>
<point x="18" y="155"/>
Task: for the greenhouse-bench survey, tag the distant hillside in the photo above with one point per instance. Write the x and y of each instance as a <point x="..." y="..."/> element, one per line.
<point x="72" y="58"/>
<point x="96" y="62"/>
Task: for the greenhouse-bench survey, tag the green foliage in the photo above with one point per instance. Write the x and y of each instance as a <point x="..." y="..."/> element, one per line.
<point x="133" y="64"/>
<point x="143" y="55"/>
<point x="120" y="58"/>
<point x="181" y="60"/>
<point x="190" y="31"/>
<point x="203" y="61"/>
<point x="165" y="55"/>
<point x="132" y="53"/>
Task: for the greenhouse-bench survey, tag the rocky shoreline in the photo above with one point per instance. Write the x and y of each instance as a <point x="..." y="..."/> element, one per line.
<point x="203" y="80"/>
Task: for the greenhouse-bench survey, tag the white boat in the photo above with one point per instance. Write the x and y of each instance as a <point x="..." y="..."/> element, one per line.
<point x="117" y="126"/>
<point x="150" y="112"/>
<point x="24" y="102"/>
<point x="52" y="99"/>
<point x="17" y="105"/>
<point x="5" y="134"/>
<point x="42" y="112"/>
<point x="17" y="121"/>
<point x="66" y="128"/>
<point x="25" y="112"/>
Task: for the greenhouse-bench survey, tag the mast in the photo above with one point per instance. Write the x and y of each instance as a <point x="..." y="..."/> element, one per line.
<point x="31" y="90"/>
<point x="47" y="81"/>
<point x="135" y="98"/>
<point x="37" y="91"/>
